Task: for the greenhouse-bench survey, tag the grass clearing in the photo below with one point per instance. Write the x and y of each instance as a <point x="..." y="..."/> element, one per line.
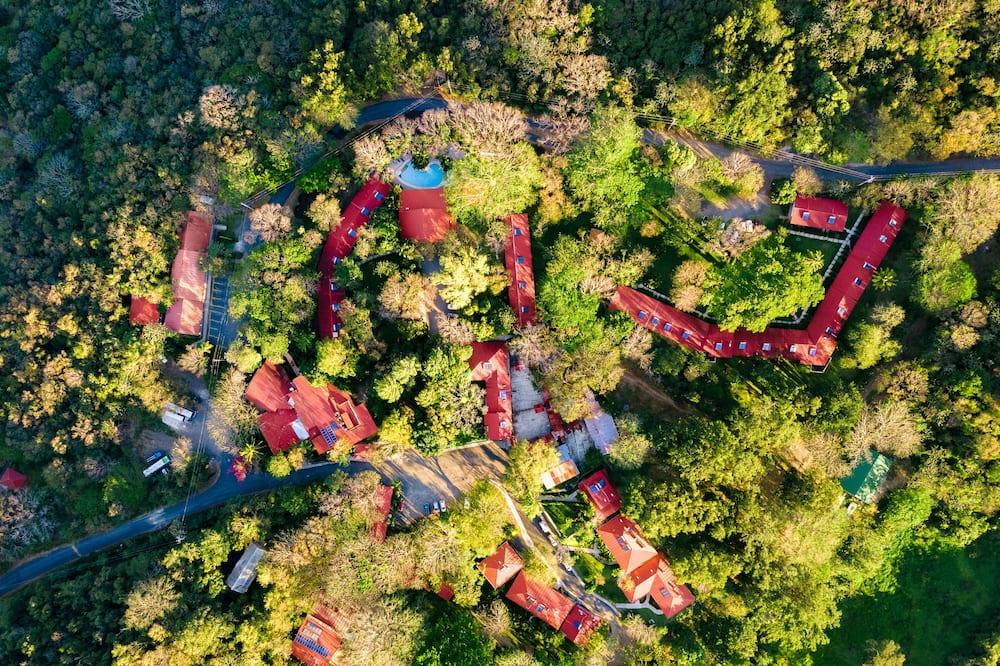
<point x="946" y="601"/>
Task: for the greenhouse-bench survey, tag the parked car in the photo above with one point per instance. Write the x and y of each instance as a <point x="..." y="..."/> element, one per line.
<point x="427" y="509"/>
<point x="154" y="456"/>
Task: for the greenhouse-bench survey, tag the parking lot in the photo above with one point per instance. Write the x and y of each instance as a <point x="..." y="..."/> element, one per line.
<point x="443" y="478"/>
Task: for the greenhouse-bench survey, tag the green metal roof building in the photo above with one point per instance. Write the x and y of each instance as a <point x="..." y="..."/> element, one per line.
<point x="867" y="476"/>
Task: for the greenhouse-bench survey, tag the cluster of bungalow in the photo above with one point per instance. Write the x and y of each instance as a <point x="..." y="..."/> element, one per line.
<point x="548" y="605"/>
<point x="645" y="572"/>
<point x="814" y="345"/>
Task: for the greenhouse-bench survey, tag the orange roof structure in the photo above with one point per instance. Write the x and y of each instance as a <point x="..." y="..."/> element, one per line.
<point x="602" y="495"/>
<point x="818" y="213"/>
<point x="143" y="311"/>
<point x="579" y="625"/>
<point x="542" y="601"/>
<point x="278" y="429"/>
<point x="625" y="543"/>
<point x="564" y="470"/>
<point x="316" y="641"/>
<point x="188" y="281"/>
<point x="13" y="479"/>
<point x="490" y="363"/>
<point x="521" y="292"/>
<point x="813" y="346"/>
<point x="423" y="215"/>
<point x="502" y="565"/>
<point x="656" y="579"/>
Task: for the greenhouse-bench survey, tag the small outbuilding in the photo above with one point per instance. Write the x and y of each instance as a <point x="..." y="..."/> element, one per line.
<point x="867" y="477"/>
<point x="245" y="571"/>
<point x="13" y="479"/>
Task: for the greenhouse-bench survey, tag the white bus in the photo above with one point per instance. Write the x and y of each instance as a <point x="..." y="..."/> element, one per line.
<point x="160" y="464"/>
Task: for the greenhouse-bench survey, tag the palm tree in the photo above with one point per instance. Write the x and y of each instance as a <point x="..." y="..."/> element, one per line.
<point x="251" y="452"/>
<point x="884" y="279"/>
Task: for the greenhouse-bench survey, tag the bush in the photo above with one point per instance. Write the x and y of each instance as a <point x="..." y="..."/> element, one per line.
<point x="782" y="191"/>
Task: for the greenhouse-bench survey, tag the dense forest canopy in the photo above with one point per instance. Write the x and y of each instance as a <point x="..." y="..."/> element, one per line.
<point x="120" y="115"/>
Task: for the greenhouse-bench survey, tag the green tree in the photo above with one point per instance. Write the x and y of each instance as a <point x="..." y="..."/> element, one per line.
<point x="944" y="281"/>
<point x="603" y="169"/>
<point x="767" y="281"/>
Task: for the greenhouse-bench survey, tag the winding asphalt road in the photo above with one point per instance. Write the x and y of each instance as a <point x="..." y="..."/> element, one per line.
<point x="226" y="488"/>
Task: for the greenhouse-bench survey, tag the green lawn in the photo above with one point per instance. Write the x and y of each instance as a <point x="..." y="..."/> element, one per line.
<point x="800" y="244"/>
<point x="947" y="599"/>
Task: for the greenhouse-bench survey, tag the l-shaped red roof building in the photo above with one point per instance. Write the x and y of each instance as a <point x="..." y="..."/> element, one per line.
<point x="339" y="243"/>
<point x="812" y="346"/>
<point x="521" y="292"/>
<point x="295" y="410"/>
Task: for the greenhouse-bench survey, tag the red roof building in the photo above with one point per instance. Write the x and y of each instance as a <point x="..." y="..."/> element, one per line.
<point x="317" y="640"/>
<point x="143" y="311"/>
<point x="563" y="471"/>
<point x="423" y="215"/>
<point x="598" y="489"/>
<point x="656" y="579"/>
<point x="625" y="543"/>
<point x="521" y="292"/>
<point x="817" y="213"/>
<point x="339" y="243"/>
<point x="380" y="528"/>
<point x="13" y="479"/>
<point x="671" y="596"/>
<point x="490" y="363"/>
<point x="325" y="415"/>
<point x="342" y="238"/>
<point x="269" y="388"/>
<point x="542" y="601"/>
<point x="281" y="429"/>
<point x="813" y="346"/>
<point x="446" y="592"/>
<point x="502" y="565"/>
<point x="329" y="296"/>
<point x="579" y="625"/>
<point x="188" y="281"/>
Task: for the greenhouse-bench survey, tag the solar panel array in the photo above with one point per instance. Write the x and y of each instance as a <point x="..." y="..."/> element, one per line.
<point x="312" y="645"/>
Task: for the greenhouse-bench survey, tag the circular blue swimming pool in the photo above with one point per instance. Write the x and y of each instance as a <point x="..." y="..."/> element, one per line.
<point x="428" y="178"/>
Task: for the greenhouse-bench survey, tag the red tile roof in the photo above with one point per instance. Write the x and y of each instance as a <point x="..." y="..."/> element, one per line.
<point x="339" y="243"/>
<point x="325" y="415"/>
<point x="317" y="640"/>
<point x="187" y="280"/>
<point x="825" y="214"/>
<point x="579" y="625"/>
<point x="446" y="592"/>
<point x="277" y="429"/>
<point x="521" y="292"/>
<point x="380" y="528"/>
<point x="625" y="542"/>
<point x="269" y="388"/>
<point x="13" y="479"/>
<point x="812" y="346"/>
<point x="341" y="239"/>
<point x="328" y="300"/>
<point x="502" y="565"/>
<point x="602" y="494"/>
<point x="143" y="311"/>
<point x="197" y="233"/>
<point x="423" y="215"/>
<point x="185" y="317"/>
<point x="490" y="363"/>
<point x="542" y="601"/>
<point x="671" y="596"/>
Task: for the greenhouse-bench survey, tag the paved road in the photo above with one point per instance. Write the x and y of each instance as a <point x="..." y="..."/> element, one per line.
<point x="225" y="489"/>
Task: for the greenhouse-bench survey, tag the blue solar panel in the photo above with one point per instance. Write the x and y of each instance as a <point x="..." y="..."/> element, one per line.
<point x="329" y="434"/>
<point x="312" y="645"/>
